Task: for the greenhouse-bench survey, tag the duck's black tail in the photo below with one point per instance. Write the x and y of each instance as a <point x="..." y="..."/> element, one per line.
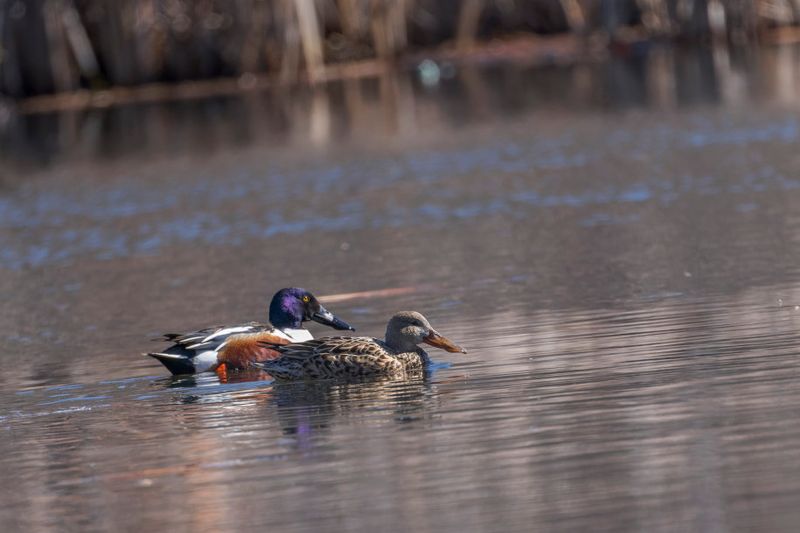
<point x="175" y="363"/>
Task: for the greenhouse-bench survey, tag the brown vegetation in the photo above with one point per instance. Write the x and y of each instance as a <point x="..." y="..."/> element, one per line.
<point x="62" y="45"/>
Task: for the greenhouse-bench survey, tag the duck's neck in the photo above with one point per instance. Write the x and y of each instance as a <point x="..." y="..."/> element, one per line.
<point x="285" y="323"/>
<point x="399" y="343"/>
<point x="283" y="318"/>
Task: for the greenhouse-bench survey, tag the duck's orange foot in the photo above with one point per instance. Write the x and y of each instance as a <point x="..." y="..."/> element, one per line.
<point x="222" y="373"/>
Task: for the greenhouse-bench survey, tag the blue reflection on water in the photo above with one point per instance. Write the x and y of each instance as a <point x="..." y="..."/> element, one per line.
<point x="522" y="161"/>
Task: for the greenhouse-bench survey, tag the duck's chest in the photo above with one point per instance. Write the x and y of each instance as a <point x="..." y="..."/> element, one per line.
<point x="416" y="359"/>
<point x="295" y="335"/>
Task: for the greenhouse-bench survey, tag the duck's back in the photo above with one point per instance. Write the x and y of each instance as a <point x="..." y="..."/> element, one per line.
<point x="333" y="357"/>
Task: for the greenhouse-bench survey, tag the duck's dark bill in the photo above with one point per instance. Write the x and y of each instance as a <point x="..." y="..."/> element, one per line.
<point x="434" y="339"/>
<point x="323" y="316"/>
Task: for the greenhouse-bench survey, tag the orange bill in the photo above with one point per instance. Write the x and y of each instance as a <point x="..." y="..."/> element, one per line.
<point x="439" y="341"/>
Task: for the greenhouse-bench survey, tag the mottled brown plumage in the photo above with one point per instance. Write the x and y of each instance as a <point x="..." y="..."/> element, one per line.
<point x="359" y="356"/>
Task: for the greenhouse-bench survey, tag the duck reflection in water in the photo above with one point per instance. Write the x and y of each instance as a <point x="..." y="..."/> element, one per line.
<point x="308" y="409"/>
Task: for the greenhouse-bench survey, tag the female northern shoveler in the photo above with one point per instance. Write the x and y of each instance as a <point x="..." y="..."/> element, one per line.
<point x="359" y="356"/>
<point x="238" y="346"/>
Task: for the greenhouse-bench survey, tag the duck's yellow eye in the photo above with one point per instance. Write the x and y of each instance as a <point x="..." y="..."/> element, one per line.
<point x="306" y="299"/>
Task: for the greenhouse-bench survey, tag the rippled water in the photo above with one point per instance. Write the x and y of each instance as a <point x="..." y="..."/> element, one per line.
<point x="625" y="278"/>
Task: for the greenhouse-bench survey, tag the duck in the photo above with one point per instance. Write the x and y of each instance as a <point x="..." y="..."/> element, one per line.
<point x="220" y="348"/>
<point x="335" y="357"/>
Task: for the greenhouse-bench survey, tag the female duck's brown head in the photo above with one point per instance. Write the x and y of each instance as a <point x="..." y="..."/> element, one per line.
<point x="407" y="329"/>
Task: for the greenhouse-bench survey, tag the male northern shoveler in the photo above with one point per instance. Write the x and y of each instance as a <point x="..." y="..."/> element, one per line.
<point x="359" y="356"/>
<point x="238" y="346"/>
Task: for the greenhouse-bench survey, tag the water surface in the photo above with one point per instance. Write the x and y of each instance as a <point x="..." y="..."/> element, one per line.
<point x="615" y="244"/>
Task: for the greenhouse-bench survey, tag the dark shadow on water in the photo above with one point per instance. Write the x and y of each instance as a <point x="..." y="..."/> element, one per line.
<point x="208" y="387"/>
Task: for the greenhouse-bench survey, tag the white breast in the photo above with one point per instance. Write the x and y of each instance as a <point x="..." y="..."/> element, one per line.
<point x="295" y="335"/>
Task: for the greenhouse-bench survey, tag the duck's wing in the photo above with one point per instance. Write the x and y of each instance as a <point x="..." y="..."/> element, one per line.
<point x="330" y="346"/>
<point x="331" y="357"/>
<point x="211" y="338"/>
<point x="205" y="349"/>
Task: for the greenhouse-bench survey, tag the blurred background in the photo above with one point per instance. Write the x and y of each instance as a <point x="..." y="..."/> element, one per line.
<point x="75" y="74"/>
<point x="599" y="199"/>
<point x="63" y="45"/>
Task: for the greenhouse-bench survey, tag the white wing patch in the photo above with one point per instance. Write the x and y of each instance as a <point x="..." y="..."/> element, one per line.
<point x="218" y="338"/>
<point x="227" y="331"/>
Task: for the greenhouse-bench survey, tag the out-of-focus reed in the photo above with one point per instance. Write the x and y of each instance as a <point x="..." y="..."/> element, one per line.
<point x="51" y="46"/>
